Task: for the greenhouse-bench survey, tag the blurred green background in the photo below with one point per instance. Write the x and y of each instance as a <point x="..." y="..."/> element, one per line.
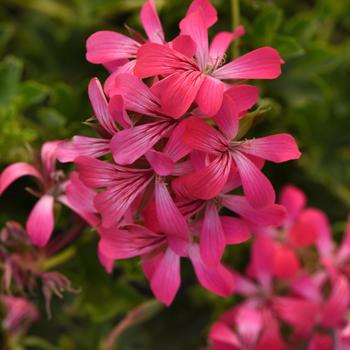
<point x="43" y="80"/>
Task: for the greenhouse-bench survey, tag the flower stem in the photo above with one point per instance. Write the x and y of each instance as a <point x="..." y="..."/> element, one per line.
<point x="235" y="13"/>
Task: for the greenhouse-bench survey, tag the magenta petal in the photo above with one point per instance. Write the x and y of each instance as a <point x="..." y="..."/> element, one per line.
<point x="117" y="110"/>
<point x="257" y="188"/>
<point x="170" y="219"/>
<point x="209" y="11"/>
<point x="14" y="172"/>
<point x="82" y="146"/>
<point x="151" y="22"/>
<point x="165" y="281"/>
<point x="294" y="200"/>
<point x="236" y="231"/>
<point x="212" y="237"/>
<point x="176" y="148"/>
<point x="107" y="263"/>
<point x="263" y="63"/>
<point x="227" y="118"/>
<point x="126" y="243"/>
<point x="249" y="325"/>
<point x="276" y="148"/>
<point x="155" y="59"/>
<point x="161" y="163"/>
<point x="218" y="280"/>
<point x="293" y="310"/>
<point x="210" y="96"/>
<point x="100" y="106"/>
<point x="180" y="90"/>
<point x="272" y="215"/>
<point x="336" y="306"/>
<point x="194" y="25"/>
<point x="222" y="41"/>
<point x="204" y="183"/>
<point x="49" y="157"/>
<point x="106" y="46"/>
<point x="185" y="45"/>
<point x="40" y="223"/>
<point x="262" y="260"/>
<point x="243" y="96"/>
<point x="130" y="144"/>
<point x="137" y="96"/>
<point x="223" y="338"/>
<point x="201" y="136"/>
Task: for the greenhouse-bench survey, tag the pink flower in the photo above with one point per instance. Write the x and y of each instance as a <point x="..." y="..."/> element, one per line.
<point x="40" y="223"/>
<point x="229" y="156"/>
<point x="20" y="313"/>
<point x="161" y="263"/>
<point x="188" y="80"/>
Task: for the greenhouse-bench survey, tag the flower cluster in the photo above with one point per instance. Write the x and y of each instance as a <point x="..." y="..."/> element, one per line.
<point x="296" y="291"/>
<point x="169" y="160"/>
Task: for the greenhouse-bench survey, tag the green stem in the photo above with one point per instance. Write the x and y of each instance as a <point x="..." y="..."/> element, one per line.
<point x="59" y="259"/>
<point x="235" y="13"/>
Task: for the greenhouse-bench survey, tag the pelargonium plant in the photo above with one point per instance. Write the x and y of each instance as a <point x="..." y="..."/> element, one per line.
<point x="170" y="176"/>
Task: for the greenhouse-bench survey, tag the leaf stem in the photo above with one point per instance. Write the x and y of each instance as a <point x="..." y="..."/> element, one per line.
<point x="235" y="14"/>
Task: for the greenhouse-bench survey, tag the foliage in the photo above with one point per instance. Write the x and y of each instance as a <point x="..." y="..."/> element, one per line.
<point x="43" y="80"/>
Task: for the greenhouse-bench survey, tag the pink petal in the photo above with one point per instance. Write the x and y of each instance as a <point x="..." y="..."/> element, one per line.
<point x="236" y="231"/>
<point x="49" y="157"/>
<point x="80" y="199"/>
<point x="160" y="162"/>
<point x="218" y="280"/>
<point x="106" y="46"/>
<point x="286" y="265"/>
<point x="194" y="25"/>
<point x="176" y="148"/>
<point x="100" y="106"/>
<point x="165" y="281"/>
<point x="249" y="325"/>
<point x="262" y="260"/>
<point x="185" y="45"/>
<point x="262" y="63"/>
<point x="307" y="288"/>
<point x="209" y="11"/>
<point x="130" y="144"/>
<point x="210" y="96"/>
<point x="212" y="238"/>
<point x="82" y="146"/>
<point x="128" y="243"/>
<point x="276" y="148"/>
<point x="321" y="342"/>
<point x="137" y="96"/>
<point x="112" y="66"/>
<point x="14" y="172"/>
<point x="336" y="307"/>
<point x="257" y="188"/>
<point x="41" y="222"/>
<point x="244" y="286"/>
<point x="205" y="183"/>
<point x="117" y="110"/>
<point x="180" y="90"/>
<point x="107" y="263"/>
<point x="201" y="136"/>
<point x="243" y="97"/>
<point x="227" y="118"/>
<point x="155" y="59"/>
<point x="294" y="200"/>
<point x="272" y="215"/>
<point x="222" y="41"/>
<point x="293" y="311"/>
<point x="151" y="22"/>
<point x="222" y="333"/>
<point x="170" y="219"/>
<point x="344" y="249"/>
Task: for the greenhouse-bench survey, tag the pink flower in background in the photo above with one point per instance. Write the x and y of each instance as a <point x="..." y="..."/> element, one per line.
<point x="20" y="313"/>
<point x="52" y="185"/>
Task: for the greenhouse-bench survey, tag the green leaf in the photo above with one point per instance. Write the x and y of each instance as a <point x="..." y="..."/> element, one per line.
<point x="266" y="25"/>
<point x="11" y="69"/>
<point x="288" y="47"/>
